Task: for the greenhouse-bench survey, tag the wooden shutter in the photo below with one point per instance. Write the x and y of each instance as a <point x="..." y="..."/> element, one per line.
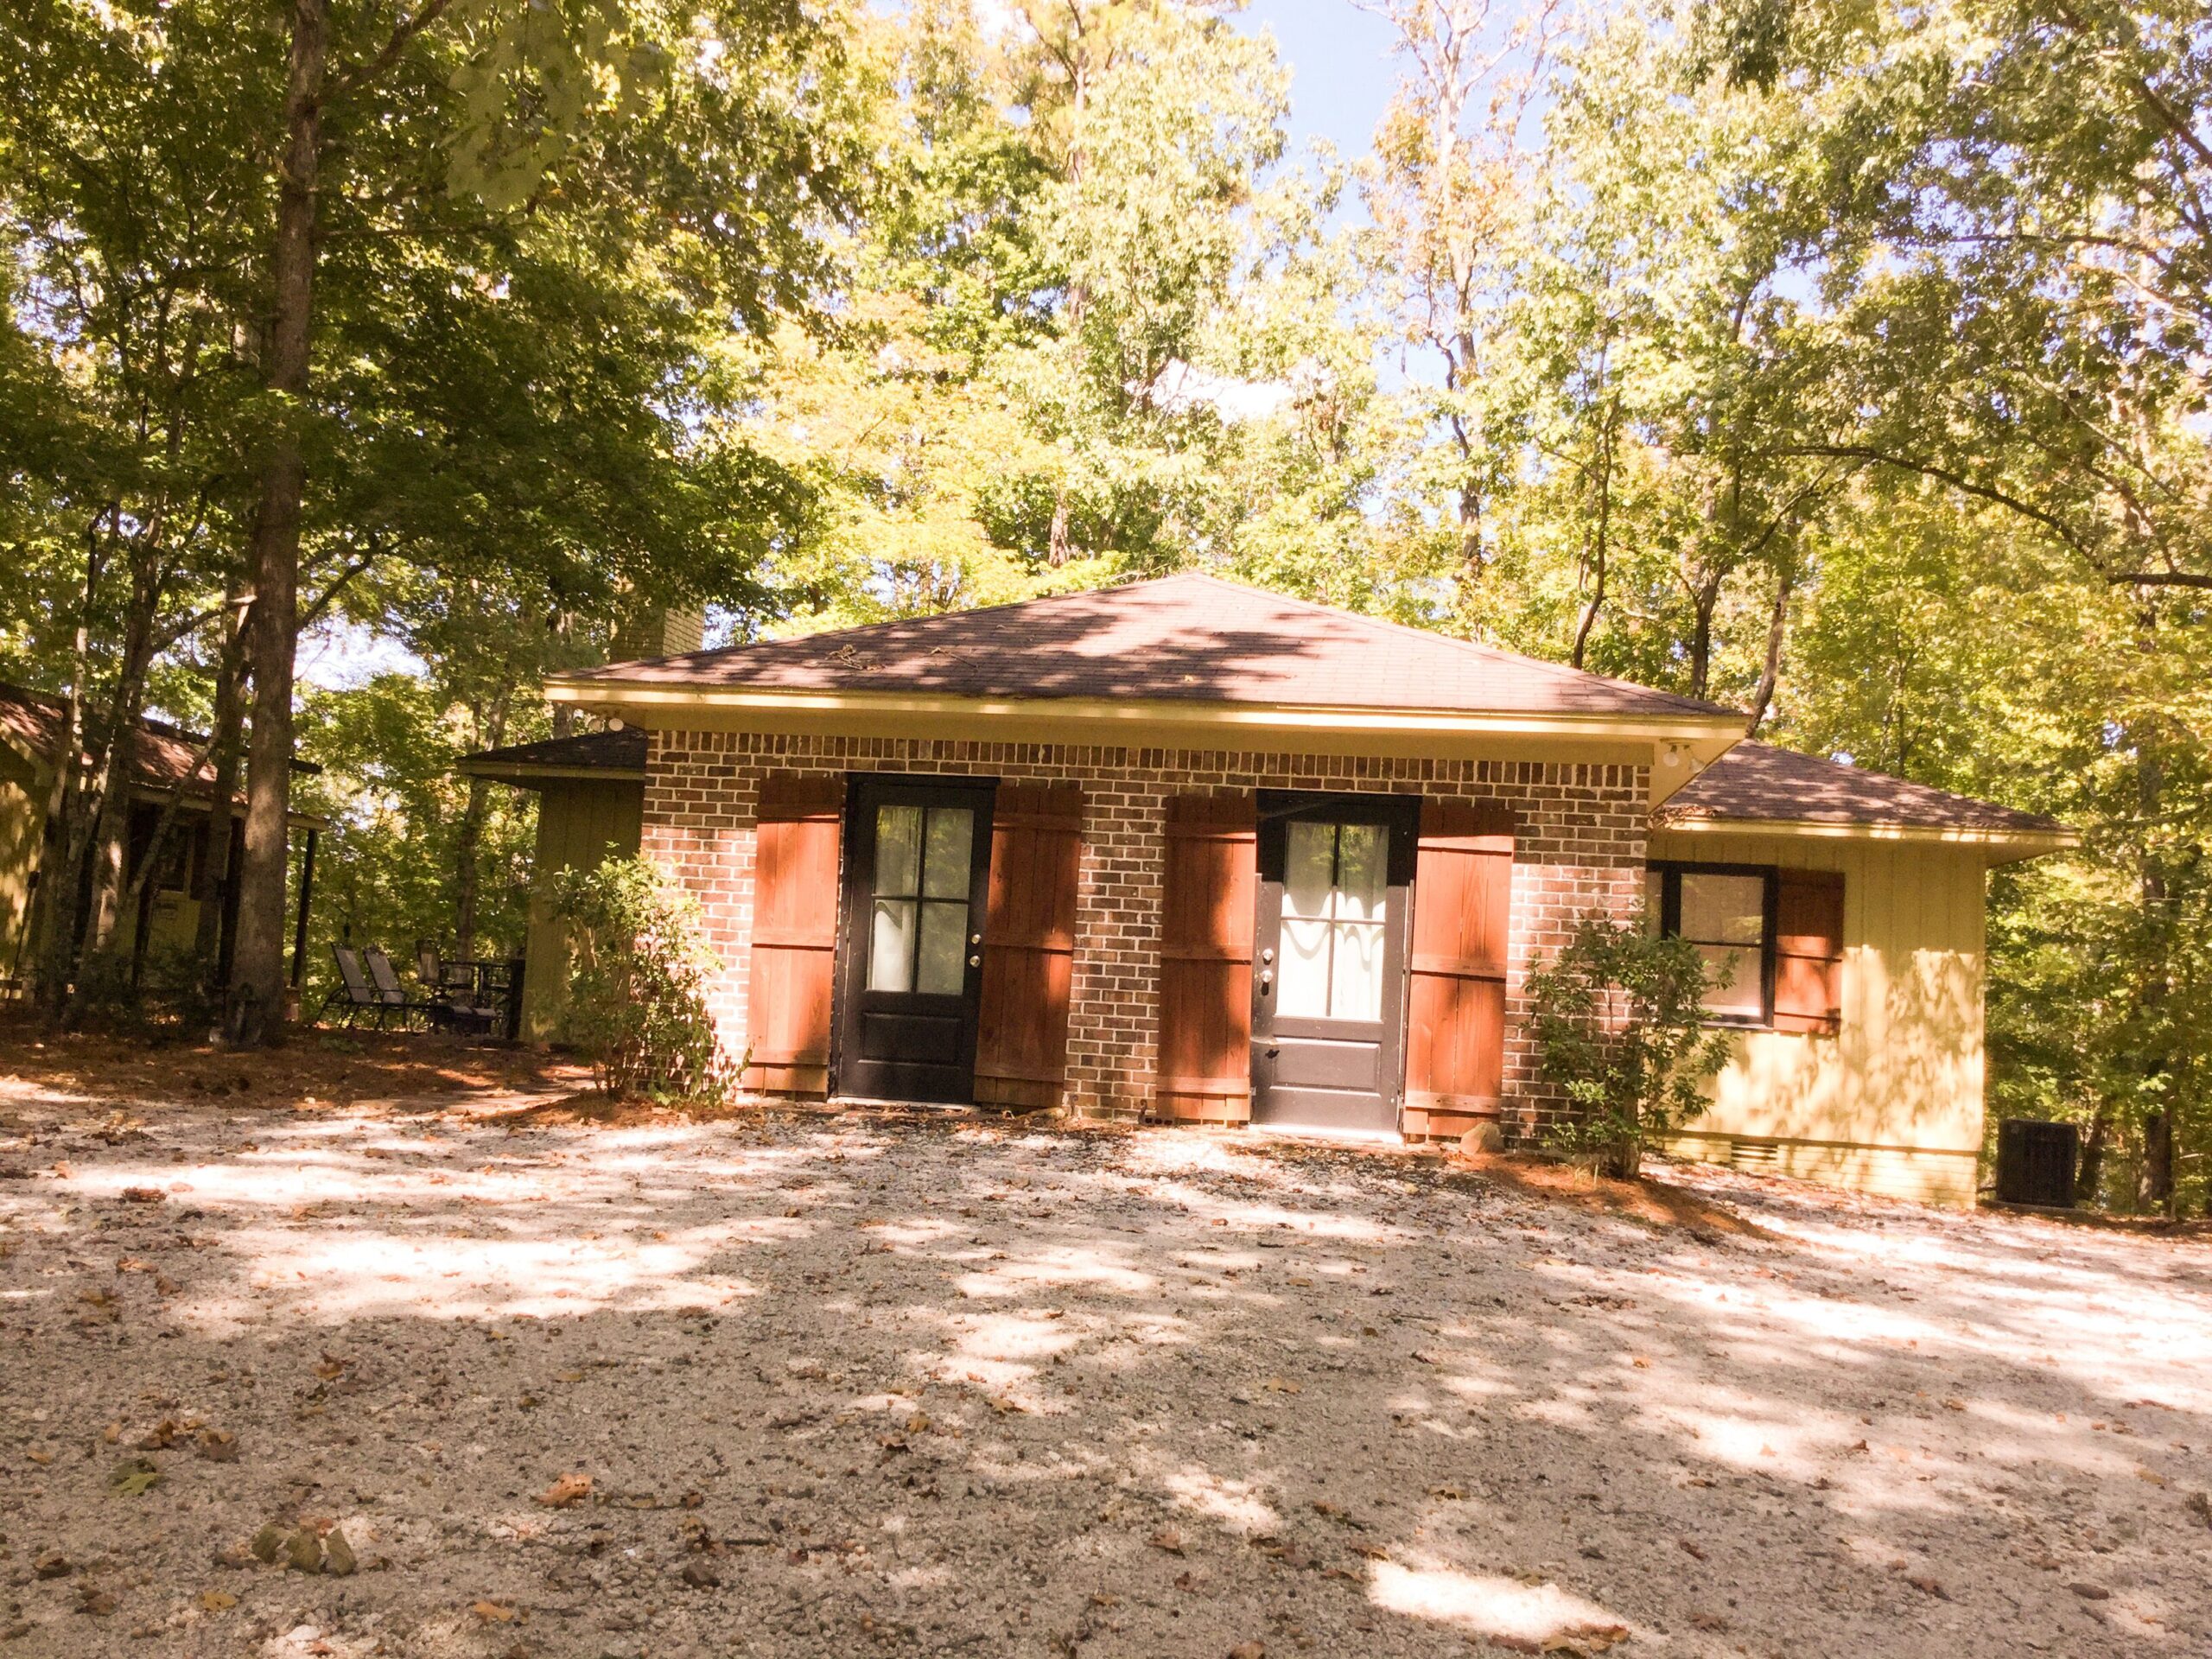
<point x="1206" y="958"/>
<point x="1808" y="950"/>
<point x="1455" y="1014"/>
<point x="1021" y="1042"/>
<point x="794" y="933"/>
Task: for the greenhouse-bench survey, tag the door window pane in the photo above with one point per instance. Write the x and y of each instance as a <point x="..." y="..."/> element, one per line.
<point x="1309" y="870"/>
<point x="945" y="869"/>
<point x="942" y="970"/>
<point x="1355" y="979"/>
<point x="1363" y="871"/>
<point x="1302" y="983"/>
<point x="890" y="945"/>
<point x="1336" y="894"/>
<point x="898" y="850"/>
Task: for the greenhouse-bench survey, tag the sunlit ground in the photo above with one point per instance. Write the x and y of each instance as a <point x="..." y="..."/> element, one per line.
<point x="849" y="1390"/>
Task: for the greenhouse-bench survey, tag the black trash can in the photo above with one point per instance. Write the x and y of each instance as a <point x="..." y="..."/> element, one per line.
<point x="2034" y="1162"/>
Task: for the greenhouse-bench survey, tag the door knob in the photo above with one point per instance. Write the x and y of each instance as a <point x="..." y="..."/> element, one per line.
<point x="974" y="961"/>
<point x="974" y="938"/>
<point x="1266" y="980"/>
<point x="1267" y="956"/>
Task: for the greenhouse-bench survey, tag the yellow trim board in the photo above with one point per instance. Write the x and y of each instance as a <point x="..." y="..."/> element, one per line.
<point x="642" y="702"/>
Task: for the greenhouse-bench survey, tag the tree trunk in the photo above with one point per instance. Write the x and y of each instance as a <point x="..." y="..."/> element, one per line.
<point x="470" y="838"/>
<point x="54" y="910"/>
<point x="1058" y="548"/>
<point x="1706" y="596"/>
<point x="2158" y="1162"/>
<point x="255" y="997"/>
<point x="1770" y="675"/>
<point x="112" y="832"/>
<point x="2089" y="1175"/>
<point x="230" y="727"/>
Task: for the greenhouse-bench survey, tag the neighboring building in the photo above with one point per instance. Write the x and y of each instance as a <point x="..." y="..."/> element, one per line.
<point x="171" y="763"/>
<point x="1185" y="849"/>
<point x="591" y="791"/>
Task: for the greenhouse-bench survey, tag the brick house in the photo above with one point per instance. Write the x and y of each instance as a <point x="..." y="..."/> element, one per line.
<point x="1184" y="849"/>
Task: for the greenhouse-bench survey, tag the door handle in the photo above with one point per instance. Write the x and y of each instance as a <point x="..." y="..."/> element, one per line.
<point x="974" y="961"/>
<point x="1266" y="980"/>
<point x="974" y="938"/>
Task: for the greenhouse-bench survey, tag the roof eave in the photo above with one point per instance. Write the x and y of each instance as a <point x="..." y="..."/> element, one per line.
<point x="2014" y="843"/>
<point x="528" y="775"/>
<point x="647" y="697"/>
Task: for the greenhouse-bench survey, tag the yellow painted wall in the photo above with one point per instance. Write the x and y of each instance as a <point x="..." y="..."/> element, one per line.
<point x="1894" y="1104"/>
<point x="20" y="812"/>
<point x="577" y="821"/>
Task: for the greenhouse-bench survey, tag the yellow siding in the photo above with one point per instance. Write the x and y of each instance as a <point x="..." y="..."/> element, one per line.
<point x="1892" y="1104"/>
<point x="20" y="811"/>
<point x="578" y="820"/>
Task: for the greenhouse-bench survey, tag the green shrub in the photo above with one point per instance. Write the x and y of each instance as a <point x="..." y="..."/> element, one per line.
<point x="1620" y="1025"/>
<point x="638" y="972"/>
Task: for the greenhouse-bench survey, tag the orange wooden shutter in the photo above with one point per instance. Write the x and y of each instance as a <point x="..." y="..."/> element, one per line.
<point x="1455" y="1015"/>
<point x="1808" y="952"/>
<point x="1021" y="1042"/>
<point x="1206" y="958"/>
<point x="794" y="933"/>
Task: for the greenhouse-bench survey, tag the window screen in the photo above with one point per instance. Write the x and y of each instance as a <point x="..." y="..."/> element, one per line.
<point x="1725" y="914"/>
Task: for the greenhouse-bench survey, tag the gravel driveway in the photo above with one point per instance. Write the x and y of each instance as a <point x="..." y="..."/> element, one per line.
<point x="800" y="1386"/>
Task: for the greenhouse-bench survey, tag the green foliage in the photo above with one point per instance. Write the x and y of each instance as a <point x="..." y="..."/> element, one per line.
<point x="1619" y="1021"/>
<point x="637" y="973"/>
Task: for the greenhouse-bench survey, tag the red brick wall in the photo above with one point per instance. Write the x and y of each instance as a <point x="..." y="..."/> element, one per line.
<point x="1579" y="847"/>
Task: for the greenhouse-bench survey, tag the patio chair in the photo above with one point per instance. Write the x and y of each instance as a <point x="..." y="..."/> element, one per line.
<point x="358" y="996"/>
<point x="391" y="996"/>
<point x="439" y="976"/>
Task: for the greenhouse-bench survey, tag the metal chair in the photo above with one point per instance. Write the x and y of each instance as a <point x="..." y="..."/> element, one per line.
<point x="391" y="996"/>
<point x="353" y="987"/>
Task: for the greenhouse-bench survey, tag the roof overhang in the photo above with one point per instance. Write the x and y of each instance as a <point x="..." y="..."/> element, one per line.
<point x="2000" y="846"/>
<point x="659" y="705"/>
<point x="523" y="775"/>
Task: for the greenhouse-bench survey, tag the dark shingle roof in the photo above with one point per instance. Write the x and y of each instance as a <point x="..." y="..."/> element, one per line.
<point x="167" y="753"/>
<point x="1759" y="783"/>
<point x="613" y="752"/>
<point x="1186" y="638"/>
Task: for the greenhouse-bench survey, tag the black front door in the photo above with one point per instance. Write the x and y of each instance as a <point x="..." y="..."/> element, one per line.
<point x="913" y="937"/>
<point x="1328" y="1007"/>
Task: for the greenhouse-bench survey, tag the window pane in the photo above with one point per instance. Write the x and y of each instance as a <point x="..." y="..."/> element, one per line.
<point x="1302" y="979"/>
<point x="1724" y="909"/>
<point x="1654" y="900"/>
<point x="1741" y="995"/>
<point x="1363" y="871"/>
<point x="944" y="871"/>
<point x="944" y="942"/>
<point x="1356" y="991"/>
<point x="891" y="946"/>
<point x="898" y="849"/>
<point x="1309" y="870"/>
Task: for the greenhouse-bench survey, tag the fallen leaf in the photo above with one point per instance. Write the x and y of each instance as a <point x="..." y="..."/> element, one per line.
<point x="2091" y="1592"/>
<point x="1691" y="1549"/>
<point x="1248" y="1650"/>
<point x="493" y="1612"/>
<point x="134" y="1475"/>
<point x="144" y="1195"/>
<point x="1169" y="1539"/>
<point x="217" y="1446"/>
<point x="570" y="1489"/>
<point x="1929" y="1586"/>
<point x="1276" y="1385"/>
<point x="217" y="1601"/>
